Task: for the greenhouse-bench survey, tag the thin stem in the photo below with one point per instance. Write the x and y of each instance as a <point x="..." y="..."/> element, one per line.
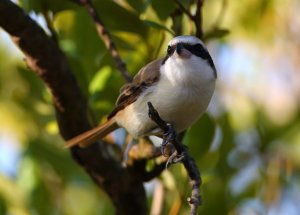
<point x="198" y="19"/>
<point x="195" y="18"/>
<point x="184" y="10"/>
<point x="106" y="37"/>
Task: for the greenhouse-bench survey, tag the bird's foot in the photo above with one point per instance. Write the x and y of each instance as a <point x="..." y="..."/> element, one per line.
<point x="175" y="158"/>
<point x="169" y="136"/>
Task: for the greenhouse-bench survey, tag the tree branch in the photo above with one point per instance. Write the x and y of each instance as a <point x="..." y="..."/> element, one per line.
<point x="45" y="59"/>
<point x="188" y="162"/>
<point x="106" y="37"/>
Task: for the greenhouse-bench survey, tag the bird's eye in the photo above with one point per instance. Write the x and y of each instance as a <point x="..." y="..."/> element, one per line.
<point x="169" y="51"/>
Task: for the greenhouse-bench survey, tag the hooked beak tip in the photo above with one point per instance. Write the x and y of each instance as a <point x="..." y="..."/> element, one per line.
<point x="181" y="52"/>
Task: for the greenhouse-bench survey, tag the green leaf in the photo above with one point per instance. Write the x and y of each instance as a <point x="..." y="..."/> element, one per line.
<point x="214" y="193"/>
<point x="117" y="18"/>
<point x="99" y="81"/>
<point x="40" y="6"/>
<point x="226" y="145"/>
<point x="80" y="40"/>
<point x="138" y="5"/>
<point x="199" y="137"/>
<point x="163" y="8"/>
<point x="3" y="206"/>
<point x="46" y="154"/>
<point x="158" y="26"/>
<point x="104" y="94"/>
<point x="31" y="5"/>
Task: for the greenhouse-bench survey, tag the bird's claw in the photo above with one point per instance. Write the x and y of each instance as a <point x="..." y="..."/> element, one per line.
<point x="163" y="149"/>
<point x="175" y="158"/>
<point x="169" y="136"/>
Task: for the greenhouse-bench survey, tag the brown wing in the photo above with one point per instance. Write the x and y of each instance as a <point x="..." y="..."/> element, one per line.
<point x="129" y="93"/>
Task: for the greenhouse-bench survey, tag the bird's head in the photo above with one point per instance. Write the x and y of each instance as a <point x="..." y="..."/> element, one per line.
<point x="186" y="47"/>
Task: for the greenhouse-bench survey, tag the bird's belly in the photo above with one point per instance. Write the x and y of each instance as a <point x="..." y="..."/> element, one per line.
<point x="180" y="106"/>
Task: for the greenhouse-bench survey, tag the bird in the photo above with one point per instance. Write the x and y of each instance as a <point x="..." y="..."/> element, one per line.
<point x="179" y="85"/>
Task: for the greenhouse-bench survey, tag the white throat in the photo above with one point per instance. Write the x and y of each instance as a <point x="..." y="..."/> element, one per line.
<point x="193" y="71"/>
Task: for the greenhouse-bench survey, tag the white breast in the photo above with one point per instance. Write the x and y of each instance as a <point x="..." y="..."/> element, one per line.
<point x="181" y="95"/>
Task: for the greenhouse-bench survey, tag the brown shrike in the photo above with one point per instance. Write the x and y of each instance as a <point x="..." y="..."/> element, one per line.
<point x="179" y="86"/>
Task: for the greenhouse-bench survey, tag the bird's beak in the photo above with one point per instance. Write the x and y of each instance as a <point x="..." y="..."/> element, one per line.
<point x="182" y="52"/>
<point x="179" y="48"/>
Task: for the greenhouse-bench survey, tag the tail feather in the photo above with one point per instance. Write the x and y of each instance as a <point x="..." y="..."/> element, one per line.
<point x="91" y="136"/>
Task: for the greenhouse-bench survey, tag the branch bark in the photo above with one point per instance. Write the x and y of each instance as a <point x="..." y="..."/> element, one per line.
<point x="44" y="57"/>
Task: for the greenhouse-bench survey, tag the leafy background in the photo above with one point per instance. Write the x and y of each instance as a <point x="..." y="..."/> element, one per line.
<point x="247" y="146"/>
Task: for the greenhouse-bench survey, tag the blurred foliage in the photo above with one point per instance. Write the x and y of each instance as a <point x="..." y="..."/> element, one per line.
<point x="247" y="146"/>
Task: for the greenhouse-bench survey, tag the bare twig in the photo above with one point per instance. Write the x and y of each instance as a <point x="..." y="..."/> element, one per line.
<point x="184" y="10"/>
<point x="188" y="162"/>
<point x="106" y="37"/>
<point x="196" y="18"/>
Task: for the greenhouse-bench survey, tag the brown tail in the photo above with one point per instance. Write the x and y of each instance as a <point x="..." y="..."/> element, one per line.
<point x="91" y="136"/>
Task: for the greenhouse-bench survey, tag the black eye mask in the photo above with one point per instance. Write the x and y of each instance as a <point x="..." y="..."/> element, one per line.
<point x="197" y="50"/>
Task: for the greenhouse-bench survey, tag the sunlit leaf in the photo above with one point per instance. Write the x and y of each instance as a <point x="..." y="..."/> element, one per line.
<point x="99" y="81"/>
<point x="52" y="128"/>
<point x="74" y="28"/>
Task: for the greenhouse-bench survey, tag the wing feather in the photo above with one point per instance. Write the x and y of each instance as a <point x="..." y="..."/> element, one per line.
<point x="129" y="93"/>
